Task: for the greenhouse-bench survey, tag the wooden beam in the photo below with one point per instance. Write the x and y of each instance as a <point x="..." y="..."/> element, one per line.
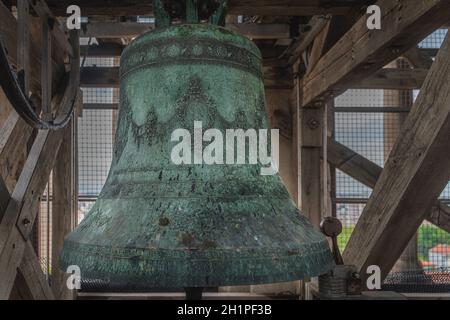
<point x="30" y="277"/>
<point x="236" y="7"/>
<point x="276" y="77"/>
<point x="101" y="106"/>
<point x="104" y="49"/>
<point x="62" y="206"/>
<point x="58" y="30"/>
<point x="440" y="216"/>
<point x="5" y="108"/>
<point x="393" y="79"/>
<point x="317" y="23"/>
<point x="8" y="25"/>
<point x="14" y="136"/>
<point x="5" y="196"/>
<point x="360" y="52"/>
<point x="115" y="29"/>
<point x="292" y="7"/>
<point x="46" y="70"/>
<point x="367" y="172"/>
<point x="30" y="282"/>
<point x="20" y="214"/>
<point x="14" y="132"/>
<point x="318" y="47"/>
<point x="414" y="176"/>
<point x="23" y="39"/>
<point x="261" y="31"/>
<point x="418" y="58"/>
<point x="313" y="126"/>
<point x="353" y="164"/>
<point x="106" y="77"/>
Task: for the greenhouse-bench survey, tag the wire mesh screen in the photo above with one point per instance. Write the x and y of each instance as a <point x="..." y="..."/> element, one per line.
<point x="96" y="130"/>
<point x="435" y="40"/>
<point x="43" y="226"/>
<point x="368" y="121"/>
<point x="95" y="150"/>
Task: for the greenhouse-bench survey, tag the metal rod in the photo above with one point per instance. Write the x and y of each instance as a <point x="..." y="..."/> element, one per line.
<point x="48" y="232"/>
<point x="194" y="293"/>
<point x="350" y="200"/>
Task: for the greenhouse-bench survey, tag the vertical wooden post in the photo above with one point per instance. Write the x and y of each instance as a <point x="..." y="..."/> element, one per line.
<point x="310" y="132"/>
<point x="311" y="169"/>
<point x="46" y="69"/>
<point x="295" y="102"/>
<point x="23" y="48"/>
<point x="330" y="136"/>
<point x="62" y="218"/>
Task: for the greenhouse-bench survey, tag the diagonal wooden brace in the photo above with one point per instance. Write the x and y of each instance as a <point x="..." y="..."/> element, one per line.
<point x="20" y="214"/>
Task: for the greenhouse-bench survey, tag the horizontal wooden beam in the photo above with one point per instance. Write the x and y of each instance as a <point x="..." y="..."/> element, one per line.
<point x="101" y="77"/>
<point x="113" y="30"/>
<point x="393" y="79"/>
<point x="100" y="106"/>
<point x="236" y="7"/>
<point x="361" y="52"/>
<point x="389" y="79"/>
<point x="108" y="77"/>
<point x="104" y="49"/>
<point x="416" y="172"/>
<point x="292" y="7"/>
<point x="261" y="31"/>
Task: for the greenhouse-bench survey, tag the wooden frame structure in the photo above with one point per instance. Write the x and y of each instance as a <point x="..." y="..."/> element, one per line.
<point x="334" y="52"/>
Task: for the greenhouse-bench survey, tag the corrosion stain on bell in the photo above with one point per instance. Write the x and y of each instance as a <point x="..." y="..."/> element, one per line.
<point x="191" y="225"/>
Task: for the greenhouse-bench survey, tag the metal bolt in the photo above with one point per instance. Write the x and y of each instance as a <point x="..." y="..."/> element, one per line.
<point x="313" y="123"/>
<point x="164" y="221"/>
<point x="26" y="222"/>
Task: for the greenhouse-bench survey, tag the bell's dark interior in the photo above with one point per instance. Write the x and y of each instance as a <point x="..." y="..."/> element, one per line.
<point x="224" y="149"/>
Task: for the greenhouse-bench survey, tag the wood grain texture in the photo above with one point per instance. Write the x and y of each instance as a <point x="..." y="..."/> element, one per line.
<point x="367" y="172"/>
<point x="62" y="211"/>
<point x="415" y="174"/>
<point x="360" y="52"/>
<point x="22" y="208"/>
<point x="236" y="7"/>
<point x="30" y="277"/>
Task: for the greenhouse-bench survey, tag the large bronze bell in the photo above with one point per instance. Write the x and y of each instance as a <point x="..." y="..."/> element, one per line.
<point x="158" y="224"/>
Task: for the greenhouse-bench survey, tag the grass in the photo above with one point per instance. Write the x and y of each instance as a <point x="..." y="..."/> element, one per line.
<point x="428" y="237"/>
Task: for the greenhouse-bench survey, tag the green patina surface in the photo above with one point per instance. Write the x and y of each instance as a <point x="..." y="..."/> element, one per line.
<point x="163" y="225"/>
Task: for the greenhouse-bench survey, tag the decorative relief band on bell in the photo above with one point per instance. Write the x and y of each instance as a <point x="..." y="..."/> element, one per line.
<point x="186" y="51"/>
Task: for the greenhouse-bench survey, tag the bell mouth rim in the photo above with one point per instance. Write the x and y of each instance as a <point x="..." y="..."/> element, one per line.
<point x="172" y="273"/>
